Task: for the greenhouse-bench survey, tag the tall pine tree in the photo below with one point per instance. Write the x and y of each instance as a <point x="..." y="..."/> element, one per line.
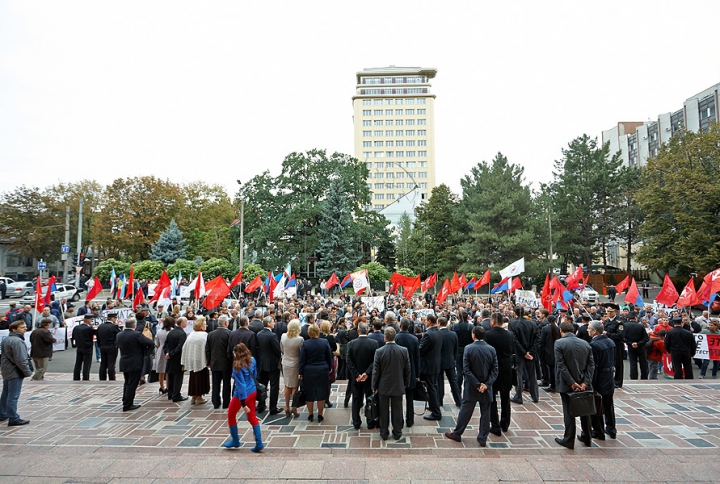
<point x="338" y="234"/>
<point x="170" y="246"/>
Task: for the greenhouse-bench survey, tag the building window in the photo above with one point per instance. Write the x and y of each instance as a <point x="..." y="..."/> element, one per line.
<point x="367" y="122"/>
<point x="379" y="206"/>
<point x="388" y="112"/>
<point x="368" y="166"/>
<point x="409" y="112"/>
<point x="409" y="122"/>
<point x="399" y="164"/>
<point x="706" y="110"/>
<point x="379" y="164"/>
<point x="389" y="132"/>
<point x="389" y="164"/>
<point x="379" y="154"/>
<point x="366" y="102"/>
<point x="389" y="175"/>
<point x="378" y="144"/>
<point x="388" y="122"/>
<point x="421" y="111"/>
<point x="378" y="122"/>
<point x="398" y="122"/>
<point x="388" y="101"/>
<point x="421" y="100"/>
<point x="398" y="101"/>
<point x="399" y="112"/>
<point x="379" y="196"/>
<point x="422" y="142"/>
<point x="409" y="101"/>
<point x="410" y="154"/>
<point x="400" y="186"/>
<point x="389" y="154"/>
<point x="410" y="142"/>
<point x="422" y="153"/>
<point x="367" y="144"/>
<point x="391" y="196"/>
<point x="367" y="112"/>
<point x="379" y="175"/>
<point x="377" y="133"/>
<point x="367" y="133"/>
<point x="389" y="186"/>
<point x="422" y="164"/>
<point x="377" y="101"/>
<point x="369" y="185"/>
<point x="399" y="143"/>
<point x="422" y="174"/>
<point x="411" y="174"/>
<point x="422" y="121"/>
<point x="367" y="154"/>
<point x="410" y="132"/>
<point x="389" y="143"/>
<point x="399" y="132"/>
<point x="399" y="154"/>
<point x="378" y="112"/>
<point x="410" y="164"/>
<point x="399" y="174"/>
<point x="423" y="185"/>
<point x="379" y="186"/>
<point x="422" y="132"/>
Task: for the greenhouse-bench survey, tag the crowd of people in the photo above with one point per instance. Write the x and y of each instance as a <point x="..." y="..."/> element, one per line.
<point x="483" y="346"/>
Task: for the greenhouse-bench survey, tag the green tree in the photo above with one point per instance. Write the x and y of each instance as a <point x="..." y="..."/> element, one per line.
<point x="188" y="269"/>
<point x="170" y="246"/>
<point x="385" y="253"/>
<point x="627" y="216"/>
<point x="336" y="245"/>
<point x="377" y="273"/>
<point x="104" y="269"/>
<point x="205" y="216"/>
<point x="217" y="266"/>
<point x="584" y="191"/>
<point x="148" y="270"/>
<point x="251" y="271"/>
<point x="406" y="272"/>
<point x="403" y="249"/>
<point x="679" y="196"/>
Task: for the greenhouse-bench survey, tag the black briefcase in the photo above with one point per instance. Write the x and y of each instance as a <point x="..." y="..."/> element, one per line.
<point x="581" y="404"/>
<point x="372" y="411"/>
<point x="420" y="392"/>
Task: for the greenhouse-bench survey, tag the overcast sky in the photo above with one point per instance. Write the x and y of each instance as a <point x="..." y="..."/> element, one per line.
<point x="221" y="91"/>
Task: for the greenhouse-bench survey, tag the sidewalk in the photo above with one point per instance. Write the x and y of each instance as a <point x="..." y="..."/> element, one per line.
<point x="78" y="431"/>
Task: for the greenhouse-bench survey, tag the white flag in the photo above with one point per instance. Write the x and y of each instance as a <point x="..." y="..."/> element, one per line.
<point x="517" y="267"/>
<point x="360" y="281"/>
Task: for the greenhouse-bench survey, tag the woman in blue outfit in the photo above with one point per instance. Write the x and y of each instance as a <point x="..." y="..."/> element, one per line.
<point x="244" y="374"/>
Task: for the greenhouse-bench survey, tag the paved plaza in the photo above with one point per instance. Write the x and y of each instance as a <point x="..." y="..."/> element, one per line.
<point x="667" y="432"/>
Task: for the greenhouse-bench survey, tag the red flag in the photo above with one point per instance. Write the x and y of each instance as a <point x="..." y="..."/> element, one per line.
<point x="713" y="282"/>
<point x="624" y="284"/>
<point x="131" y="282"/>
<point x="444" y="291"/>
<point x="484" y="280"/>
<point x="256" y="284"/>
<point x="332" y="282"/>
<point x="48" y="294"/>
<point x="412" y="286"/>
<point x="688" y="297"/>
<point x="39" y="300"/>
<point x="545" y="296"/>
<point x="463" y="281"/>
<point x="162" y="284"/>
<point x="215" y="291"/>
<point x="515" y="283"/>
<point x="632" y="295"/>
<point x="572" y="280"/>
<point x="272" y="285"/>
<point x="94" y="290"/>
<point x="394" y="288"/>
<point x="139" y="298"/>
<point x="235" y="282"/>
<point x="455" y="285"/>
<point x="668" y="295"/>
<point x="587" y="278"/>
<point x="199" y="285"/>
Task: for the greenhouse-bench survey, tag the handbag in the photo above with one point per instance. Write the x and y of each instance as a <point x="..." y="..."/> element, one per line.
<point x="420" y="392"/>
<point x="581" y="404"/>
<point x="599" y="407"/>
<point x="372" y="411"/>
<point x="333" y="370"/>
<point x="260" y="391"/>
<point x="147" y="332"/>
<point x="298" y="399"/>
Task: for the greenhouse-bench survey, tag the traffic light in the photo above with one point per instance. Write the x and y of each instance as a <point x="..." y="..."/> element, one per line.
<point x="75" y="258"/>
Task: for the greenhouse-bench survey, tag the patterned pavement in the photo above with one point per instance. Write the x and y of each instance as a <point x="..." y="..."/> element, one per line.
<point x="78" y="433"/>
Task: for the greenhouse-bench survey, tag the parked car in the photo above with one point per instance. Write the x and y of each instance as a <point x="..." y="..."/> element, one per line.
<point x="20" y="289"/>
<point x="7" y="280"/>
<point x="67" y="291"/>
<point x="588" y="294"/>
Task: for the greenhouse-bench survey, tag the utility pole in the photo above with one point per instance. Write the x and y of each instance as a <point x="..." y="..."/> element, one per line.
<point x="79" y="245"/>
<point x="242" y="234"/>
<point x="550" y="254"/>
<point x="65" y="255"/>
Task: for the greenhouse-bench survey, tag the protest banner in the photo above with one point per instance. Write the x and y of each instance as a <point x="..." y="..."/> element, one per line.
<point x="423" y="312"/>
<point x="60" y="335"/>
<point x="71" y="323"/>
<point x="708" y="346"/>
<point x="4" y="333"/>
<point x="374" y="303"/>
<point x="527" y="297"/>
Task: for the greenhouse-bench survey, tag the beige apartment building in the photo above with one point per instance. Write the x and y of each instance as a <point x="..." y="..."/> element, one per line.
<point x="394" y="117"/>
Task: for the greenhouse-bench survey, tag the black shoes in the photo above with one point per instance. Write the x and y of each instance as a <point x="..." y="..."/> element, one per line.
<point x="550" y="390"/>
<point x="397" y="437"/>
<point x="431" y="417"/>
<point x="328" y="404"/>
<point x="610" y="434"/>
<point x="561" y="442"/>
<point x="131" y="407"/>
<point x="180" y="399"/>
<point x="357" y="426"/>
<point x="483" y="443"/>
<point x="311" y="417"/>
<point x="16" y="423"/>
<point x="274" y="411"/>
<point x="517" y="400"/>
<point x="586" y="441"/>
<point x="496" y="432"/>
<point x="320" y="418"/>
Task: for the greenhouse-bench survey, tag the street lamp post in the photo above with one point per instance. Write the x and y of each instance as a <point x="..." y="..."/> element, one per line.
<point x="242" y="231"/>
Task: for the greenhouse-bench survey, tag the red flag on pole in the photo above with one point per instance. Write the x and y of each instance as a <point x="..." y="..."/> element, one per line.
<point x="199" y="285"/>
<point x="235" y="282"/>
<point x="39" y="300"/>
<point x="332" y="282"/>
<point x="455" y="285"/>
<point x="633" y="294"/>
<point x="254" y="285"/>
<point x="545" y="296"/>
<point x="624" y="284"/>
<point x="394" y="288"/>
<point x="484" y="280"/>
<point x="688" y="297"/>
<point x="463" y="281"/>
<point x="131" y="282"/>
<point x="444" y="291"/>
<point x="94" y="290"/>
<point x="515" y="283"/>
<point x="163" y="283"/>
<point x="138" y="299"/>
<point x="668" y="295"/>
<point x="48" y="294"/>
<point x="413" y="285"/>
<point x="215" y="291"/>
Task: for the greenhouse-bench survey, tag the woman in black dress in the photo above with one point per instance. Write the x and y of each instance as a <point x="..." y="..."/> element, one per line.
<point x="314" y="371"/>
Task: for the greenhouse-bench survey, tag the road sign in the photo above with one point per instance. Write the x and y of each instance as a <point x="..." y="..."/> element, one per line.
<point x="42" y="266"/>
<point x="65" y="249"/>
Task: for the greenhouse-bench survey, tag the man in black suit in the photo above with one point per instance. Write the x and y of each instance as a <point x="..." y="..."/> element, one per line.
<point x="528" y="340"/>
<point x="504" y="343"/>
<point x="132" y="345"/>
<point x="680" y="343"/>
<point x="485" y="322"/>
<point x="212" y="322"/>
<point x="430" y="356"/>
<point x="106" y="334"/>
<point x="635" y="336"/>
<point x="242" y="335"/>
<point x="480" y="366"/>
<point x="390" y="321"/>
<point x="463" y="330"/>
<point x="603" y="350"/>
<point x="614" y="328"/>
<point x="376" y="334"/>
<point x="360" y="357"/>
<point x="268" y="361"/>
<point x="410" y="342"/>
<point x="83" y="336"/>
<point x="574" y="371"/>
<point x="173" y="353"/>
<point x="390" y="377"/>
<point x="448" y="352"/>
<point x="309" y="320"/>
<point x="220" y="364"/>
<point x="256" y="324"/>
